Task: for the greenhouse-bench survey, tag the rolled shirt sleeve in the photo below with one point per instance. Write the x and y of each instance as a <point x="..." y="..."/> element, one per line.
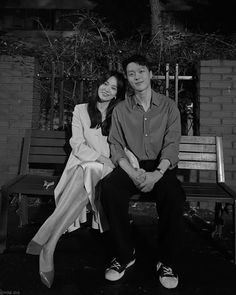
<point x="116" y="138"/>
<point x="172" y="136"/>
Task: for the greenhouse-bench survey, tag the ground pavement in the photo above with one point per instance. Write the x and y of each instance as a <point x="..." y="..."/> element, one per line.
<point x="81" y="257"/>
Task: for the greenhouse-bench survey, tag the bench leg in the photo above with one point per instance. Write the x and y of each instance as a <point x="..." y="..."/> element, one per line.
<point x="234" y="223"/>
<point x="22" y="210"/>
<point x="218" y="221"/>
<point x="4" y="205"/>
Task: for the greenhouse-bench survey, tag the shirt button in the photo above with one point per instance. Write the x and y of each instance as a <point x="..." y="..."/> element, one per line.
<point x="146" y="135"/>
<point x="145" y="119"/>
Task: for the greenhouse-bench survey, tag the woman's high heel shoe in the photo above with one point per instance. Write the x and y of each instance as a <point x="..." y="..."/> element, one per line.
<point x="46" y="267"/>
<point x="47" y="278"/>
<point x="34" y="248"/>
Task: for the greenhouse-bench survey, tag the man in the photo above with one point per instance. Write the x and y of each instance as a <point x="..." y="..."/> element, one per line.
<point x="148" y="125"/>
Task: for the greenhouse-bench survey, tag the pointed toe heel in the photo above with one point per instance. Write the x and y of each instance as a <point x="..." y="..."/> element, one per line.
<point x="47" y="278"/>
<point x="34" y="248"/>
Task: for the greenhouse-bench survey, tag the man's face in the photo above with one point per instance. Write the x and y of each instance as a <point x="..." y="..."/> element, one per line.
<point x="138" y="76"/>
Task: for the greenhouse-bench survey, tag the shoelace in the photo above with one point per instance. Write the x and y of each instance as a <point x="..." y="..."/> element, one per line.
<point x="167" y="271"/>
<point x="115" y="264"/>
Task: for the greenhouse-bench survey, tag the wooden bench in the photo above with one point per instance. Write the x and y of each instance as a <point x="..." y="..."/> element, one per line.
<point x="50" y="149"/>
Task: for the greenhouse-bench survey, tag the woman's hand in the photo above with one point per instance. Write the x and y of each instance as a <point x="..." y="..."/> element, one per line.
<point x="106" y="161"/>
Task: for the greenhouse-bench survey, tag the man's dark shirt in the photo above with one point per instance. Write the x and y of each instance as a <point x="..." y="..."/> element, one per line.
<point x="149" y="135"/>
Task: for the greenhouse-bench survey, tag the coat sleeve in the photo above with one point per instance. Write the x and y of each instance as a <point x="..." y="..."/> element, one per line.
<point x="79" y="145"/>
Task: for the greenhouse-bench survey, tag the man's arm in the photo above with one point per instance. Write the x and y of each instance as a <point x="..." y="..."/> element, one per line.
<point x="170" y="148"/>
<point x="137" y="175"/>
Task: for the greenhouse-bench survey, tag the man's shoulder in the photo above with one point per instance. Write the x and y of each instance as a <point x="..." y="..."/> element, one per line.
<point x="122" y="105"/>
<point x="163" y="99"/>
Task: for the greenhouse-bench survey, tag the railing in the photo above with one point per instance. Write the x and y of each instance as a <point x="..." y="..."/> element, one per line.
<point x="60" y="92"/>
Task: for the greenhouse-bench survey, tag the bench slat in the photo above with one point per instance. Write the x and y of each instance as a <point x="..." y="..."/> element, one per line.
<point x="197" y="165"/>
<point x="198" y="139"/>
<point x="199" y="148"/>
<point x="47" y="151"/>
<point x="39" y="141"/>
<point x="197" y="157"/>
<point x="48" y="134"/>
<point x="51" y="159"/>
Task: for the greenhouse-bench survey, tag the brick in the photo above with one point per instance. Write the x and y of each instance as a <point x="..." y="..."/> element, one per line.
<point x="210" y="121"/>
<point x="221" y="85"/>
<point x="230" y="152"/>
<point x="205" y="99"/>
<point x="210" y="107"/>
<point x="220" y="114"/>
<point x="221" y="130"/>
<point x="229" y="107"/>
<point x="210" y="92"/>
<point x="10" y="87"/>
<point x="16" y="80"/>
<point x="221" y="99"/>
<point x="5" y="65"/>
<point x="229" y="77"/>
<point x="205" y="70"/>
<point x="210" y="77"/>
<point x="229" y="92"/>
<point x="27" y="87"/>
<point x="204" y="84"/>
<point x="228" y="160"/>
<point x="229" y="121"/>
<point x="210" y="63"/>
<point x="229" y="63"/>
<point x="231" y="167"/>
<point x="205" y="114"/>
<point x="10" y="73"/>
<point x="227" y="143"/>
<point x="222" y="70"/>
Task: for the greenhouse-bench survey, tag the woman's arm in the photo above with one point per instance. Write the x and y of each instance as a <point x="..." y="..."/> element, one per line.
<point x="78" y="142"/>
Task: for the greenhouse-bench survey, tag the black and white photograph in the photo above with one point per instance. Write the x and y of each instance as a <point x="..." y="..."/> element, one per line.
<point x="117" y="147"/>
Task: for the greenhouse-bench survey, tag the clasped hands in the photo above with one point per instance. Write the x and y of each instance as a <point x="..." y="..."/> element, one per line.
<point x="145" y="181"/>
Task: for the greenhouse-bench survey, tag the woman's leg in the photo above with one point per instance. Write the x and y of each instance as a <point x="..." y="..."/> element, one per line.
<point x="46" y="265"/>
<point x="72" y="196"/>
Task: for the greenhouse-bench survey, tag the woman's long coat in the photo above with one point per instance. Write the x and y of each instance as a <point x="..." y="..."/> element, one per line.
<point x="87" y="145"/>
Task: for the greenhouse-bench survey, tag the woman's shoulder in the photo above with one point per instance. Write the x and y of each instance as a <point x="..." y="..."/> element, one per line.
<point x="81" y="107"/>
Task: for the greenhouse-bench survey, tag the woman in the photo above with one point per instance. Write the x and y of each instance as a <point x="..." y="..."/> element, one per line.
<point x="88" y="162"/>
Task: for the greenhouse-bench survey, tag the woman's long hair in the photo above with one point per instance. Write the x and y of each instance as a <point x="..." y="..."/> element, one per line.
<point x="94" y="113"/>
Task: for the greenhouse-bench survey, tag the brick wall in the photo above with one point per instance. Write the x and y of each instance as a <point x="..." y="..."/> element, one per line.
<point x="19" y="109"/>
<point x="218" y="110"/>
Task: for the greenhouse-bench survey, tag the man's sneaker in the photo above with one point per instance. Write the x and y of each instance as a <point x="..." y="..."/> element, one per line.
<point x="167" y="277"/>
<point x="116" y="270"/>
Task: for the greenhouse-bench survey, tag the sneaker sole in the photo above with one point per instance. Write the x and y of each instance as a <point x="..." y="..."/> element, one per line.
<point x="121" y="274"/>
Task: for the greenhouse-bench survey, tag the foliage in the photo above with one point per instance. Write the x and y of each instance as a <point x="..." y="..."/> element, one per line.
<point x="91" y="47"/>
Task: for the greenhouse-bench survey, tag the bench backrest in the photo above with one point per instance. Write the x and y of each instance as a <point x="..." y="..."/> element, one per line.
<point x="202" y="153"/>
<point x="44" y="147"/>
<point x="52" y="147"/>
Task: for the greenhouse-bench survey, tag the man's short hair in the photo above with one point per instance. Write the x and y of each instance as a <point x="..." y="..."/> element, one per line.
<point x="138" y="59"/>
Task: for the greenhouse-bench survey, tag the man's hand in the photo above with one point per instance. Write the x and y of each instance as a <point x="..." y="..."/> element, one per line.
<point x="138" y="177"/>
<point x="150" y="179"/>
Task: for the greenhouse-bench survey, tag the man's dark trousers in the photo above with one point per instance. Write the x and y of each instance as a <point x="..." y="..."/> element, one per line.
<point x="116" y="190"/>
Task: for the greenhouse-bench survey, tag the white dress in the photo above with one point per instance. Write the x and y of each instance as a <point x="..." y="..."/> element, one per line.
<point x="87" y="145"/>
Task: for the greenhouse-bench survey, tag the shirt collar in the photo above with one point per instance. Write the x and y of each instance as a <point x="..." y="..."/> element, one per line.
<point x="155" y="100"/>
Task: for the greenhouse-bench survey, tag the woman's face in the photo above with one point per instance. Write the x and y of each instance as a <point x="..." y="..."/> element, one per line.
<point x="108" y="90"/>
